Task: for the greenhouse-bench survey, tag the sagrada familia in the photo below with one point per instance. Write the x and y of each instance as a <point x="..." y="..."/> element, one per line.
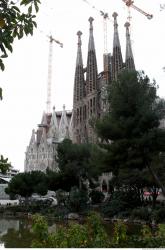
<point x="89" y="101"/>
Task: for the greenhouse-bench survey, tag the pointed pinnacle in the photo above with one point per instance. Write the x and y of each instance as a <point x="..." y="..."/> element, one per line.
<point x="79" y="33"/>
<point x="115" y="15"/>
<point x="91" y="19"/>
<point x="127" y="25"/>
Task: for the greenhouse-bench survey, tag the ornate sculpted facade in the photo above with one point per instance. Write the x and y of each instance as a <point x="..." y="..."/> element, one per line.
<point x="41" y="152"/>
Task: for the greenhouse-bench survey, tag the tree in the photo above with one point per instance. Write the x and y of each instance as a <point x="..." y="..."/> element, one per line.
<point x="130" y="130"/>
<point x="15" y="22"/>
<point x="76" y="161"/>
<point x="4" y="165"/>
<point x="133" y="182"/>
<point x="25" y="184"/>
<point x="60" y="180"/>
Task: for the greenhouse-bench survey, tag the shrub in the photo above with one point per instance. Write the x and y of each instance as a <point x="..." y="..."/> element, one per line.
<point x="141" y="213"/>
<point x="118" y="203"/>
<point x="159" y="214"/>
<point x="78" y="200"/>
<point x="113" y="207"/>
<point x="60" y="212"/>
<point x="96" y="196"/>
<point x="61" y="196"/>
<point x="91" y="234"/>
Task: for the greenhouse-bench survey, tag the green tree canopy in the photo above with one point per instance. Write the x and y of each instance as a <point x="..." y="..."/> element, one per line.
<point x="25" y="184"/>
<point x="17" y="19"/>
<point x="15" y="22"/>
<point x="76" y="163"/>
<point x="78" y="160"/>
<point x="4" y="165"/>
<point x="130" y="130"/>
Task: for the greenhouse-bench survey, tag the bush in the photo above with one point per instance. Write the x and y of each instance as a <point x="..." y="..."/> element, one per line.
<point x="116" y="204"/>
<point x="142" y="214"/>
<point x="78" y="200"/>
<point x="61" y="196"/>
<point x="159" y="214"/>
<point x="60" y="212"/>
<point x="113" y="208"/>
<point x="120" y="201"/>
<point x="96" y="196"/>
<point x="89" y="235"/>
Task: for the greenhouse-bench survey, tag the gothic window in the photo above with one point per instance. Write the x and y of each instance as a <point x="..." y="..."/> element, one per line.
<point x="77" y="116"/>
<point x="94" y="105"/>
<point x="80" y="114"/>
<point x="90" y="106"/>
<point x="85" y="112"/>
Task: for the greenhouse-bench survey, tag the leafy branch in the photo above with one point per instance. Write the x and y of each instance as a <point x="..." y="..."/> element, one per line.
<point x="15" y="24"/>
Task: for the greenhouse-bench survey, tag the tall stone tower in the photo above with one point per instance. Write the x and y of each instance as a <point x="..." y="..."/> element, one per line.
<point x="79" y="105"/>
<point x="129" y="59"/>
<point x="92" y="87"/>
<point x="117" y="60"/>
<point x="90" y="99"/>
<point x="85" y="97"/>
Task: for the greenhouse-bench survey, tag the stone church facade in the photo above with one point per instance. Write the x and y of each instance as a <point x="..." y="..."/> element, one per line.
<point x="89" y="102"/>
<point x="90" y="97"/>
<point x="42" y="150"/>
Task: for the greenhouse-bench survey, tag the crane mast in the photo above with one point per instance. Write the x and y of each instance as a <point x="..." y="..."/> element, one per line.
<point x="106" y="55"/>
<point x="129" y="3"/>
<point x="105" y="17"/>
<point x="49" y="83"/>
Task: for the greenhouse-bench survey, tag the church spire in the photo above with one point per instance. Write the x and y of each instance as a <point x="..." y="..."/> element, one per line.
<point x="117" y="61"/>
<point x="79" y="90"/>
<point x="91" y="76"/>
<point x="79" y="60"/>
<point x="79" y="84"/>
<point x="91" y="46"/>
<point x="129" y="59"/>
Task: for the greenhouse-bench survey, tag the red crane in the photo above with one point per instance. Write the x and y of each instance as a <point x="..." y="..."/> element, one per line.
<point x="129" y="3"/>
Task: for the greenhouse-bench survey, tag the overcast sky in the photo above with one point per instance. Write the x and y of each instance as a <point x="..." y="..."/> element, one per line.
<point x="24" y="80"/>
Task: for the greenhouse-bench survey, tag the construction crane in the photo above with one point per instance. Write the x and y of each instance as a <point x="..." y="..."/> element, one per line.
<point x="162" y="7"/>
<point x="105" y="18"/>
<point x="106" y="55"/>
<point x="129" y="3"/>
<point x="50" y="57"/>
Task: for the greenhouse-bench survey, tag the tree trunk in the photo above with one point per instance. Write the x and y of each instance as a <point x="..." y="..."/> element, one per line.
<point x="156" y="178"/>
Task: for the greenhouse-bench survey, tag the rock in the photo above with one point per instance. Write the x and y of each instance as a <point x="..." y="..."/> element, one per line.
<point x="73" y="216"/>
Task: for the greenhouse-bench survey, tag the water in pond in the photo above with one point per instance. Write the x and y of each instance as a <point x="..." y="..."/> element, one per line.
<point x="17" y="233"/>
